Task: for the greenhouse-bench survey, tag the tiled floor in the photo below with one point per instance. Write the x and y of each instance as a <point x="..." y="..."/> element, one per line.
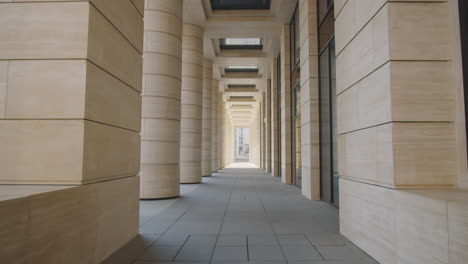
<point x="239" y="215"/>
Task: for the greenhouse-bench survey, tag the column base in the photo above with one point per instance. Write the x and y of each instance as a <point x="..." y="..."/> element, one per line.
<point x="157" y="199"/>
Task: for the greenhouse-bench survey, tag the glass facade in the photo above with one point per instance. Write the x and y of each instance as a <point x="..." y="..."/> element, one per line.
<point x="463" y="8"/>
<point x="329" y="175"/>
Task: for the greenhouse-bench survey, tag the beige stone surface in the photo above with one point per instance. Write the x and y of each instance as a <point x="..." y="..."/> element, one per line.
<point x="370" y="47"/>
<point x="274" y="119"/>
<point x="3" y="86"/>
<point x="285" y="108"/>
<point x="139" y="5"/>
<point x="160" y="180"/>
<point x="109" y="152"/>
<point x="125" y="16"/>
<point x="110" y="101"/>
<point x="424" y="154"/>
<point x="68" y="224"/>
<point x="119" y="56"/>
<point x="66" y="151"/>
<point x="58" y="89"/>
<point x="161" y="109"/>
<point x="215" y="126"/>
<point x="395" y="226"/>
<point x="310" y="139"/>
<point x="192" y="105"/>
<point x="44" y="31"/>
<point x="51" y="149"/>
<point x="165" y="6"/>
<point x="400" y="155"/>
<point x="419" y="31"/>
<point x="46" y="89"/>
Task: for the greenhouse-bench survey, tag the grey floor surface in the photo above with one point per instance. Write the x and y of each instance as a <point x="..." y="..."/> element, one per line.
<point x="239" y="215"/>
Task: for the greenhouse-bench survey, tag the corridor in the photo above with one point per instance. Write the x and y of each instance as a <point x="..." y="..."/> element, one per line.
<point x="239" y="215"/>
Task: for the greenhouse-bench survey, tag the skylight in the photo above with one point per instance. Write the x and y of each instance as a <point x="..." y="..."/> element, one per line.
<point x="241" y="69"/>
<point x="241" y="43"/>
<point x="240" y="4"/>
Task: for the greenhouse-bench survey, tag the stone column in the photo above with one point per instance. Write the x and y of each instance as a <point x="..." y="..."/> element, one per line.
<point x="396" y="120"/>
<point x="268" y="125"/>
<point x="310" y="142"/>
<point x="220" y="131"/>
<point x="285" y="108"/>
<point x="274" y="119"/>
<point x="192" y="100"/>
<point x="207" y="117"/>
<point x="70" y="115"/>
<point x="215" y="129"/>
<point x="161" y="99"/>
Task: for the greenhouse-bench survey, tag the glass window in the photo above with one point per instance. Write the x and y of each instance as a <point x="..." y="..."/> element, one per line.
<point x="324" y="7"/>
<point x="329" y="174"/>
<point x="294" y="41"/>
<point x="295" y="101"/>
<point x="463" y="8"/>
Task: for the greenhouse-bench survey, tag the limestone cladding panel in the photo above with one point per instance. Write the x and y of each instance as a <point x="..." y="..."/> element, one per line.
<point x="64" y="224"/>
<point x="387" y="223"/>
<point x="268" y="126"/>
<point x="214" y="126"/>
<point x="207" y="116"/>
<point x="220" y="131"/>
<point x="310" y="136"/>
<point x="192" y="104"/>
<point x="161" y="111"/>
<point x="274" y="118"/>
<point x="285" y="108"/>
<point x="396" y="88"/>
<point x="396" y="124"/>
<point x="71" y="70"/>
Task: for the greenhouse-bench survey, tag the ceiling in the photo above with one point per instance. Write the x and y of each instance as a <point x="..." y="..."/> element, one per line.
<point x="218" y="24"/>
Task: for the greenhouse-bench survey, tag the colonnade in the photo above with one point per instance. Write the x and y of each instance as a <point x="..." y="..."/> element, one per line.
<point x="179" y="120"/>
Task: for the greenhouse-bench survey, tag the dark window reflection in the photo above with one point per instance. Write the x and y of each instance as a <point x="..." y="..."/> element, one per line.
<point x="328" y="117"/>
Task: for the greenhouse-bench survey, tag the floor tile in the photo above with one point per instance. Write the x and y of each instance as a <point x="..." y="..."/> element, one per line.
<point x="265" y="253"/>
<point x="171" y="239"/>
<point x="231" y="240"/>
<point x="195" y="253"/>
<point x="337" y="253"/>
<point x="159" y="253"/>
<point x="262" y="240"/>
<point x="249" y="216"/>
<point x="230" y="254"/>
<point x="289" y="240"/>
<point x="300" y="253"/>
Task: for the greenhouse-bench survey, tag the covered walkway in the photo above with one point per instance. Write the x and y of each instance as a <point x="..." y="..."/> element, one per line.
<point x="239" y="215"/>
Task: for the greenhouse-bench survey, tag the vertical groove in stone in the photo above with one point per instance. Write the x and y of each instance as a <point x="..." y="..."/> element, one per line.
<point x="161" y="99"/>
<point x="192" y="104"/>
<point x="214" y="129"/>
<point x="207" y="116"/>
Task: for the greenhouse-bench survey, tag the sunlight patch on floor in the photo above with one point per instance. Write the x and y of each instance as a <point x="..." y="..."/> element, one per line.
<point x="242" y="165"/>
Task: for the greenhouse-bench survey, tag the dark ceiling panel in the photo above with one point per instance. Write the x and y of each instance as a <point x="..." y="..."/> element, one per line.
<point x="240" y="4"/>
